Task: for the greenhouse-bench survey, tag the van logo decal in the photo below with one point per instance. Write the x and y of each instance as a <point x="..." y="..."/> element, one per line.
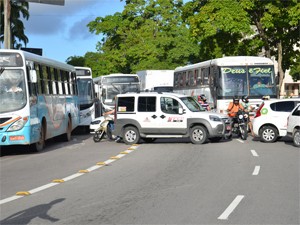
<point x="175" y="119"/>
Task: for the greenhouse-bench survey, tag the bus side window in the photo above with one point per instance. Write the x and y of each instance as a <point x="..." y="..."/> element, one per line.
<point x="199" y="77"/>
<point x="205" y="73"/>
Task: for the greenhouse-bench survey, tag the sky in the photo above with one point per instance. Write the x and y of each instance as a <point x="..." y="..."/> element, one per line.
<point x="61" y="31"/>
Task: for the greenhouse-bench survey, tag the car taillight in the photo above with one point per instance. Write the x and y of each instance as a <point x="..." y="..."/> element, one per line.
<point x="257" y="114"/>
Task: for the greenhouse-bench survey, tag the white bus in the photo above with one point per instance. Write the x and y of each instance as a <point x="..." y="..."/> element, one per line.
<point x="86" y="93"/>
<point x="38" y="99"/>
<point x="223" y="78"/>
<point x="108" y="86"/>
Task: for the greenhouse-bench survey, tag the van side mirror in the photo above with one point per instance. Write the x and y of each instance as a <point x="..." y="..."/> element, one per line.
<point x="33" y="76"/>
<point x="181" y="111"/>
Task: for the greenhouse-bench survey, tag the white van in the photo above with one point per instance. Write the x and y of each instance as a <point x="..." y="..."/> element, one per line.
<point x="152" y="115"/>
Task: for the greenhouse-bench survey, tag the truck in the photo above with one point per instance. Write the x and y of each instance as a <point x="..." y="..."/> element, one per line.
<point x="158" y="80"/>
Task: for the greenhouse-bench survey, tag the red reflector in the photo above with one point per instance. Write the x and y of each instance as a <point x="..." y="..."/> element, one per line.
<point x="16" y="138"/>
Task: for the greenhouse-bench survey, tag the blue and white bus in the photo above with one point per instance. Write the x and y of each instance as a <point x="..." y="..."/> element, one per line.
<point x="223" y="78"/>
<point x="86" y="93"/>
<point x="38" y="99"/>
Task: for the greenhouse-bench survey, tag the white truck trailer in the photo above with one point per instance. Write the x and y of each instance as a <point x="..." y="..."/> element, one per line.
<point x="160" y="80"/>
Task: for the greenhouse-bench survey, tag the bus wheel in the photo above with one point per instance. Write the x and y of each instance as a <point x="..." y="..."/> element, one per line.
<point x="39" y="146"/>
<point x="67" y="135"/>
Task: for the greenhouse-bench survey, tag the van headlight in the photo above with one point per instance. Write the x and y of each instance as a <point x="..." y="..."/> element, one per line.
<point x="18" y="125"/>
<point x="215" y="118"/>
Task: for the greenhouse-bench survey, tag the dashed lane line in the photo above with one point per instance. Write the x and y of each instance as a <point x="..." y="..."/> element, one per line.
<point x="55" y="182"/>
<point x="254" y="153"/>
<point x="256" y="171"/>
<point x="231" y="207"/>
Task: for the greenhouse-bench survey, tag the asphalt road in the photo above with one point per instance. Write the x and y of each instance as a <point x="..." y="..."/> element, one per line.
<point x="166" y="182"/>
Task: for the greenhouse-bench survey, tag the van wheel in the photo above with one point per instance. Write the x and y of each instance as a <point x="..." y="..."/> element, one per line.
<point x="131" y="135"/>
<point x="268" y="134"/>
<point x="296" y="138"/>
<point x="198" y="135"/>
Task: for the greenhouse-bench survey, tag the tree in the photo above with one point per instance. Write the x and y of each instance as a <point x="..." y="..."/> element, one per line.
<point x="18" y="36"/>
<point x="245" y="27"/>
<point x="295" y="70"/>
<point x="146" y="35"/>
<point x="76" y="60"/>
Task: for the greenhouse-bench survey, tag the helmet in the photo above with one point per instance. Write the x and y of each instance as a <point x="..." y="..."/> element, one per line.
<point x="245" y="99"/>
<point x="203" y="97"/>
<point x="235" y="98"/>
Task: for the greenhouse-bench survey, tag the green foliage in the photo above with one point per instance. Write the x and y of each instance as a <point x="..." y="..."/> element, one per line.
<point x="146" y="35"/>
<point x="295" y="70"/>
<point x="18" y="9"/>
<point x="76" y="60"/>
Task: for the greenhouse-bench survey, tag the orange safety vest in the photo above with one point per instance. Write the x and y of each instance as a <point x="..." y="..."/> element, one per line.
<point x="233" y="109"/>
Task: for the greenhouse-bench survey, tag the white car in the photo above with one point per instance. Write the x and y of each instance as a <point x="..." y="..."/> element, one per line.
<point x="293" y="125"/>
<point x="270" y="121"/>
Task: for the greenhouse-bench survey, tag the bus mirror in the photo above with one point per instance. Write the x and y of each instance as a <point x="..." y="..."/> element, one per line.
<point x="33" y="77"/>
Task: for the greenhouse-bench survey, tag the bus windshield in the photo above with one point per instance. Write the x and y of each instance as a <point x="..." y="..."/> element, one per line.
<point x="12" y="90"/>
<point x="254" y="81"/>
<point x="109" y="91"/>
<point x="85" y="92"/>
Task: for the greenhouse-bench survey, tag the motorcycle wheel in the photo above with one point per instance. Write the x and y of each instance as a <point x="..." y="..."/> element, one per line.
<point x="98" y="136"/>
<point x="244" y="132"/>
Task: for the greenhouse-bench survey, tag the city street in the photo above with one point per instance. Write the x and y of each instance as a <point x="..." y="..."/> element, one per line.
<point x="169" y="181"/>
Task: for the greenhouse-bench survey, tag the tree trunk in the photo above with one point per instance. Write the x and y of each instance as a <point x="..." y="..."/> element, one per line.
<point x="280" y="70"/>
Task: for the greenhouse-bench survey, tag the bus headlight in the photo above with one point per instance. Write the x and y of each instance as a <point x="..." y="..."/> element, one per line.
<point x="18" y="125"/>
<point x="215" y="118"/>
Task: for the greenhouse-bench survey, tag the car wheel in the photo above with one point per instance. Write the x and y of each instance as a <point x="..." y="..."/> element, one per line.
<point x="198" y="135"/>
<point x="268" y="134"/>
<point x="296" y="138"/>
<point x="131" y="135"/>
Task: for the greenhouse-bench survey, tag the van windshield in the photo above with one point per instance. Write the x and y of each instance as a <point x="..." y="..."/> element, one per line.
<point x="192" y="104"/>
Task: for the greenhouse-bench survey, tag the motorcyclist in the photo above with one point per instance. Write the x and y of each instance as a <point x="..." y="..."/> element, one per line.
<point x="111" y="124"/>
<point x="203" y="101"/>
<point x="248" y="108"/>
<point x="234" y="107"/>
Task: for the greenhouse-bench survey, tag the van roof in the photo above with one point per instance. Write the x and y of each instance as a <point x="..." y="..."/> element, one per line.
<point x="152" y="93"/>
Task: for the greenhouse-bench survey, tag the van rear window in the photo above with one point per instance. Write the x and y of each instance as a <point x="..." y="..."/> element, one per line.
<point x="125" y="104"/>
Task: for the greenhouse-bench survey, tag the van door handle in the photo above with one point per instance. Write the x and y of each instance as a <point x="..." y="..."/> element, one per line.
<point x="154" y="116"/>
<point x="162" y="116"/>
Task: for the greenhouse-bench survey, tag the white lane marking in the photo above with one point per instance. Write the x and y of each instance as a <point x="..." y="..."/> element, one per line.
<point x="73" y="176"/>
<point x="240" y="140"/>
<point x="41" y="188"/>
<point x="231" y="207"/>
<point x="254" y="153"/>
<point x="256" y="171"/>
<point x="12" y="198"/>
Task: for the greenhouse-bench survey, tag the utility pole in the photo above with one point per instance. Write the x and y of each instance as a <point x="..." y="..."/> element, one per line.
<point x="7" y="30"/>
<point x="7" y="21"/>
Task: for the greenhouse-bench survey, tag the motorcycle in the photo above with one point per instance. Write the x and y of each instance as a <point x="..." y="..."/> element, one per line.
<point x="240" y="124"/>
<point x="105" y="129"/>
